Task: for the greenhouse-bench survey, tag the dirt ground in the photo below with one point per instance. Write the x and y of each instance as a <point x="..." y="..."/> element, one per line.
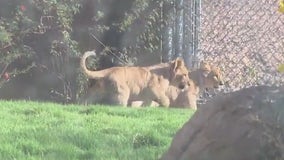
<point x="243" y="125"/>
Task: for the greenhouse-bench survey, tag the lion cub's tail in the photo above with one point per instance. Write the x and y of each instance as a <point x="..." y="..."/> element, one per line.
<point x="89" y="73"/>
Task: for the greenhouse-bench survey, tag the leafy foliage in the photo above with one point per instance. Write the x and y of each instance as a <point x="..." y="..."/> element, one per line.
<point x="281" y="6"/>
<point x="135" y="25"/>
<point x="32" y="17"/>
<point x="32" y="32"/>
<point x="44" y="38"/>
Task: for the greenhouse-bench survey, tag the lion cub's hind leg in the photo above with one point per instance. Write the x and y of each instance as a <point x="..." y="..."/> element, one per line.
<point x="119" y="94"/>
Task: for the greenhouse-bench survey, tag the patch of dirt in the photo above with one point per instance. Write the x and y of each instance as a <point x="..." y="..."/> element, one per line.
<point x="244" y="125"/>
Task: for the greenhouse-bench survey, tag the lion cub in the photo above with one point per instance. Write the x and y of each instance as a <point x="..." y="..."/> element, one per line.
<point x="151" y="88"/>
<point x="205" y="77"/>
<point x="120" y="85"/>
<point x="186" y="98"/>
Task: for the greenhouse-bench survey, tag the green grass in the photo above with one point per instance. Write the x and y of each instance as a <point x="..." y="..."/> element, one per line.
<point x="34" y="130"/>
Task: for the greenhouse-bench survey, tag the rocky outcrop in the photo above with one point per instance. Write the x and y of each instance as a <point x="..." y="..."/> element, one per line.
<point x="243" y="125"/>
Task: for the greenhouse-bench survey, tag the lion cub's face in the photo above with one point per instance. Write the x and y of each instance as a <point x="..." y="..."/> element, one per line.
<point x="179" y="76"/>
<point x="215" y="77"/>
<point x="212" y="74"/>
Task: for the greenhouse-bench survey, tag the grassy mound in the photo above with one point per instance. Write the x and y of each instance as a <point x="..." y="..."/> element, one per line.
<point x="33" y="130"/>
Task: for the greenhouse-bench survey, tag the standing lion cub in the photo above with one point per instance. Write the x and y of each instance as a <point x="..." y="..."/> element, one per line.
<point x="121" y="85"/>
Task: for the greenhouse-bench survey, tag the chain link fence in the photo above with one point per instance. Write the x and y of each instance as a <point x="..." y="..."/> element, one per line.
<point x="245" y="39"/>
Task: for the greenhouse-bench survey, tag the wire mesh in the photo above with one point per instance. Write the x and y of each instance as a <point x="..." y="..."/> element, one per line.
<point x="245" y="39"/>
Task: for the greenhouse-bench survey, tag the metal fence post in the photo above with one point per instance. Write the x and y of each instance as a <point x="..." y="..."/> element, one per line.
<point x="192" y="17"/>
<point x="196" y="30"/>
<point x="179" y="24"/>
<point x="168" y="31"/>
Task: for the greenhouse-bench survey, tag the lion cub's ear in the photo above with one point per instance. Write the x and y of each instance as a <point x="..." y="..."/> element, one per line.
<point x="178" y="63"/>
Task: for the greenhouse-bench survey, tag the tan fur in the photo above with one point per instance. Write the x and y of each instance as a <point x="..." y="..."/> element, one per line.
<point x="178" y="98"/>
<point x="171" y="72"/>
<point x="120" y="85"/>
<point x="184" y="98"/>
<point x="175" y="71"/>
<point x="107" y="91"/>
<point x="180" y="74"/>
<point x="206" y="77"/>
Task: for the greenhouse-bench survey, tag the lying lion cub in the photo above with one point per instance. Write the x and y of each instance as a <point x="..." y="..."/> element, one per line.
<point x="121" y="85"/>
<point x="185" y="98"/>
<point x="207" y="76"/>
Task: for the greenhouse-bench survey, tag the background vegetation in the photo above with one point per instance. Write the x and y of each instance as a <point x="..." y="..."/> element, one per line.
<point x="41" y="42"/>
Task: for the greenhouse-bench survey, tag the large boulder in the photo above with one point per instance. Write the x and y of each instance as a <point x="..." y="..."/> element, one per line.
<point x="244" y="125"/>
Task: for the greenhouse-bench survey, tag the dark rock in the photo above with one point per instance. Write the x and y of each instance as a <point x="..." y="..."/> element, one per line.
<point x="243" y="125"/>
